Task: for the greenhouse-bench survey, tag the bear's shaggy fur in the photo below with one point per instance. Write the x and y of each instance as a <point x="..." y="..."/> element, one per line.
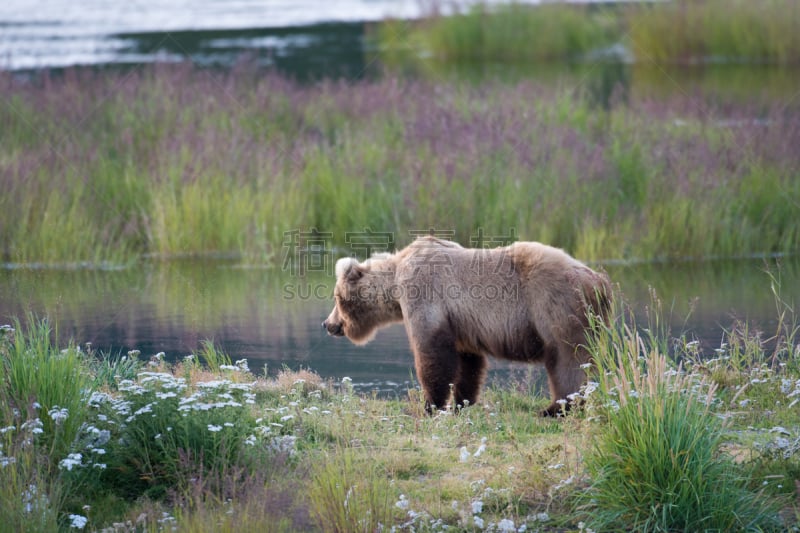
<point x="525" y="302"/>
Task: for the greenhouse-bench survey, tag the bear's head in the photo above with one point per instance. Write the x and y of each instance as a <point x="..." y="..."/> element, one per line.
<point x="363" y="299"/>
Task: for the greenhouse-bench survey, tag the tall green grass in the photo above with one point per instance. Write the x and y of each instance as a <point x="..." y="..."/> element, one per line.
<point x="349" y="497"/>
<point x="680" y="31"/>
<point x="658" y="462"/>
<point x="46" y="383"/>
<point x="511" y="32"/>
<point x="684" y="31"/>
<point x="172" y="162"/>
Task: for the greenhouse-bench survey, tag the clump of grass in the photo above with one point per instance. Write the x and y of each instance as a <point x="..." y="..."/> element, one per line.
<point x="684" y="31"/>
<point x="30" y="500"/>
<point x="45" y="383"/>
<point x="348" y="496"/>
<point x="657" y="464"/>
<point x="514" y="32"/>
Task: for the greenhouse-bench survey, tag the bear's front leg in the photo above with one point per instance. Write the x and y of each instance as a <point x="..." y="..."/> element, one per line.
<point x="565" y="375"/>
<point x="471" y="375"/>
<point x="437" y="363"/>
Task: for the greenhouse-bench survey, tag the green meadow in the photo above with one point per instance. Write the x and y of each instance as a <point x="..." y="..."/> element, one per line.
<point x="132" y="443"/>
<point x="169" y="161"/>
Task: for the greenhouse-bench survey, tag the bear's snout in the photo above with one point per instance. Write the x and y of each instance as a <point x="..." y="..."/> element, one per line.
<point x="335" y="330"/>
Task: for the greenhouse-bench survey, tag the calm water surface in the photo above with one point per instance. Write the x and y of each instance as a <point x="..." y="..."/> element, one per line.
<point x="60" y="33"/>
<point x="274" y="320"/>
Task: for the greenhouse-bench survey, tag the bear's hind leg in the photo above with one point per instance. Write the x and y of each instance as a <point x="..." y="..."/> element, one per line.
<point x="472" y="373"/>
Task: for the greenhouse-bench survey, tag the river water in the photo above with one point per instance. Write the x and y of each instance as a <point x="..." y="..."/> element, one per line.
<point x="274" y="320"/>
<point x="284" y="33"/>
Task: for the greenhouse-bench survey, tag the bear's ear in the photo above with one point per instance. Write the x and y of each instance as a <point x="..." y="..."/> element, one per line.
<point x="348" y="269"/>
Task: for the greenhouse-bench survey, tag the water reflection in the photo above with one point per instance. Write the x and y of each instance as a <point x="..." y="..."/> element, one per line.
<point x="274" y="320"/>
<point x="305" y="53"/>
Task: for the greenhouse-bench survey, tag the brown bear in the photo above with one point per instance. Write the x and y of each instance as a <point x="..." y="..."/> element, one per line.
<point x="525" y="302"/>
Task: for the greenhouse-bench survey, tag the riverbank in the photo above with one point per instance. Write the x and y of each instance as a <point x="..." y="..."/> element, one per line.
<point x="122" y="443"/>
<point x="172" y="161"/>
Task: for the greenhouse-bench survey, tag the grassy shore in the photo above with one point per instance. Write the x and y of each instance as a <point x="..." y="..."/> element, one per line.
<point x="131" y="443"/>
<point x="509" y="32"/>
<point x="678" y="31"/>
<point x="171" y="161"/>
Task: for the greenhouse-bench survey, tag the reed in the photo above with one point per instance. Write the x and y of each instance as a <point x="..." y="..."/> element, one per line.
<point x="170" y="161"/>
<point x="515" y="32"/>
<point x="680" y="31"/>
<point x="715" y="31"/>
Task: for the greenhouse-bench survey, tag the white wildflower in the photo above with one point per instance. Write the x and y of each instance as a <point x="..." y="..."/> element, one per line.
<point x="478" y="521"/>
<point x="589" y="388"/>
<point x="35" y="426"/>
<point x="481" y="448"/>
<point x="506" y="525"/>
<point x="285" y="444"/>
<point x="464" y="454"/>
<point x="477" y="507"/>
<point x="574" y="396"/>
<point x="402" y="503"/>
<point x="213" y="428"/>
<point x="542" y="517"/>
<point x="563" y="483"/>
<point x="98" y="398"/>
<point x="73" y="459"/>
